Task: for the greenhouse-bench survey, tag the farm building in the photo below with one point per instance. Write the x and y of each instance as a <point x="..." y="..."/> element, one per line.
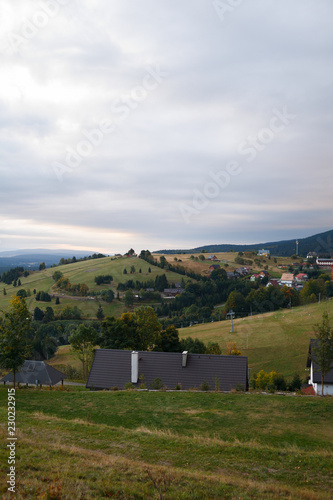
<point x="315" y="374"/>
<point x="35" y="373"/>
<point x="115" y="368"/>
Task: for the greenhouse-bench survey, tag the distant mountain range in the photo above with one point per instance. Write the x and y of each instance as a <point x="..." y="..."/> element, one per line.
<point x="321" y="243"/>
<point x="30" y="259"/>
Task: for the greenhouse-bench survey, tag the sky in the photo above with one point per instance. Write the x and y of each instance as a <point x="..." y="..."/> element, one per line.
<point x="164" y="124"/>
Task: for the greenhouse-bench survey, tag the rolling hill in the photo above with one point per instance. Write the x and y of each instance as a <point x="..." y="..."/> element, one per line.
<point x="85" y="272"/>
<point x="321" y="243"/>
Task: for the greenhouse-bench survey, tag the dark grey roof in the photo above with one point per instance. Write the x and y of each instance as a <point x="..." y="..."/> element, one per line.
<point x="35" y="370"/>
<point x="112" y="368"/>
<point x="316" y="370"/>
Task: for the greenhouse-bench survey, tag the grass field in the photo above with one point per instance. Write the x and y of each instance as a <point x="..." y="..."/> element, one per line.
<point x="227" y="262"/>
<point x="276" y="341"/>
<point x="85" y="272"/>
<point x="77" y="444"/>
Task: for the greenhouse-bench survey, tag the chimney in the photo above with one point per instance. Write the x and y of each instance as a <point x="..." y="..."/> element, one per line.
<point x="134" y="367"/>
<point x="184" y="359"/>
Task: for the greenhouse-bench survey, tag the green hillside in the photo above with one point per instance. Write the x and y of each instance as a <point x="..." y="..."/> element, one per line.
<point x="320" y="243"/>
<point x="277" y="341"/>
<point x="85" y="272"/>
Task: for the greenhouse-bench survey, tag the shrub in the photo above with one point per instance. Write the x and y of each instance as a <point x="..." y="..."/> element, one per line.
<point x="157" y="384"/>
<point x="129" y="386"/>
<point x="253" y="379"/>
<point x="217" y="384"/>
<point x="178" y="387"/>
<point x="239" y="388"/>
<point x="72" y="372"/>
<point x="204" y="386"/>
<point x="295" y="384"/>
<point x="262" y="380"/>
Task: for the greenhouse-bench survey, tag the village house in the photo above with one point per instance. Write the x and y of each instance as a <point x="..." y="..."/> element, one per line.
<point x="214" y="267"/>
<point x="273" y="283"/>
<point x="287" y="279"/>
<point x="116" y="368"/>
<point x="301" y="278"/>
<point x="315" y="374"/>
<point x="311" y="255"/>
<point x="213" y="257"/>
<point x="172" y="292"/>
<point x="264" y="253"/>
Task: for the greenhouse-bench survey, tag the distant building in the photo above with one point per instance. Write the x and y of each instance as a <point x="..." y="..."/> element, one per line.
<point x="301" y="277"/>
<point x="214" y="267"/>
<point x="324" y="262"/>
<point x="287" y="279"/>
<point x="264" y="253"/>
<point x="311" y="255"/>
<point x="213" y="257"/>
<point x="172" y="292"/>
<point x="273" y="283"/>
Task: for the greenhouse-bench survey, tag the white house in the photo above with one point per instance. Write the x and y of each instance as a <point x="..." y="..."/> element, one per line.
<point x="315" y="375"/>
<point x="287" y="279"/>
<point x="264" y="253"/>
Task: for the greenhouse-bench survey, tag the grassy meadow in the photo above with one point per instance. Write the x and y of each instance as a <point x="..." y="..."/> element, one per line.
<point x="276" y="341"/>
<point x="76" y="444"/>
<point x="85" y="272"/>
<point x="227" y="262"/>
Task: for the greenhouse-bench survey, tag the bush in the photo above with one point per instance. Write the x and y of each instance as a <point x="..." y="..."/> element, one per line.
<point x="295" y="384"/>
<point x="178" y="387"/>
<point x="157" y="384"/>
<point x="129" y="386"/>
<point x="204" y="386"/>
<point x="239" y="388"/>
<point x="72" y="372"/>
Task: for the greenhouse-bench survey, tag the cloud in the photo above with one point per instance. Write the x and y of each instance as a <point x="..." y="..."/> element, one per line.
<point x="181" y="90"/>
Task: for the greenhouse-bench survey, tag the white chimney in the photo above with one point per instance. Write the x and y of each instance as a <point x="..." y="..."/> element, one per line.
<point x="184" y="358"/>
<point x="134" y="367"/>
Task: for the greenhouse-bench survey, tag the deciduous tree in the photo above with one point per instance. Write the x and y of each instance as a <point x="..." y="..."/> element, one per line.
<point x="15" y="336"/>
<point x="322" y="349"/>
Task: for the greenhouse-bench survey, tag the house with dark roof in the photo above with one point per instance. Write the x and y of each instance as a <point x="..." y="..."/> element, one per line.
<point x="35" y="373"/>
<point x="115" y="368"/>
<point x="214" y="267"/>
<point x="172" y="292"/>
<point x="315" y="373"/>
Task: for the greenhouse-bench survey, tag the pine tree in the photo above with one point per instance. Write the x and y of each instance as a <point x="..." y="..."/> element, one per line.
<point x="100" y="314"/>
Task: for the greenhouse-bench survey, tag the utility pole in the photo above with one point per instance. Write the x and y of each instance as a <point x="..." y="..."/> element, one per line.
<point x="232" y="315"/>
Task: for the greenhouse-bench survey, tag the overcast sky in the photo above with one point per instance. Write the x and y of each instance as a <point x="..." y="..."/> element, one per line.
<point x="164" y="124"/>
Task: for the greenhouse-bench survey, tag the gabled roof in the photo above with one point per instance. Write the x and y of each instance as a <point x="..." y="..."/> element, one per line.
<point x="316" y="370"/>
<point x="112" y="368"/>
<point x="287" y="277"/>
<point x="35" y="370"/>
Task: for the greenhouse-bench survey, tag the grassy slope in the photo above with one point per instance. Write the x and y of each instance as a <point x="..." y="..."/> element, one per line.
<point x="99" y="445"/>
<point x="229" y="258"/>
<point x="277" y="341"/>
<point x="85" y="272"/>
